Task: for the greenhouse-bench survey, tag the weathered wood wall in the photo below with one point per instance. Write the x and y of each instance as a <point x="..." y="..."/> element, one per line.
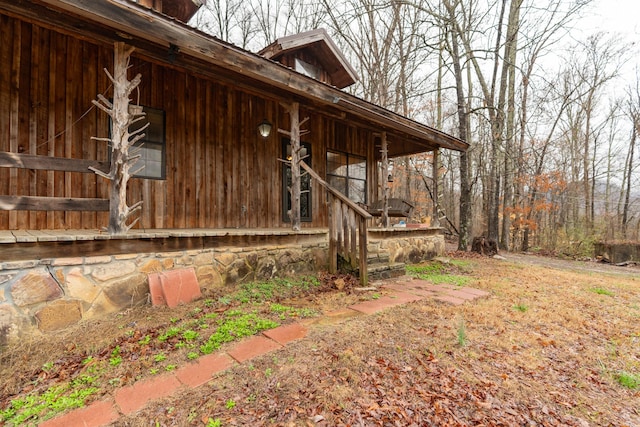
<point x="219" y="172"/>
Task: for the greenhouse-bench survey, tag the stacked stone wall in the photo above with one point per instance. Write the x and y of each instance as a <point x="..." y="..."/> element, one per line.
<point x="408" y="248"/>
<point x="41" y="296"/>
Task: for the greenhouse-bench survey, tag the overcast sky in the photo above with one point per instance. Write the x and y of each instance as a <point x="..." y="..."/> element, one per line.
<point x="620" y="17"/>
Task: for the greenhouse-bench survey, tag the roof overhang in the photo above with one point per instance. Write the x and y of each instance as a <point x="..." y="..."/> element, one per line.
<point x="133" y="23"/>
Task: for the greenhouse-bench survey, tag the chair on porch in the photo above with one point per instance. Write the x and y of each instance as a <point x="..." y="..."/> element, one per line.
<point x="397" y="208"/>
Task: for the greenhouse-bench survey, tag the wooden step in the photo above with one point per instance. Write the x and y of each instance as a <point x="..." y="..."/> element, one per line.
<point x="379" y="271"/>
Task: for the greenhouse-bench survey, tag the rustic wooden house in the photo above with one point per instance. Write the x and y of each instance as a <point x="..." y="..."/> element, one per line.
<point x="214" y="192"/>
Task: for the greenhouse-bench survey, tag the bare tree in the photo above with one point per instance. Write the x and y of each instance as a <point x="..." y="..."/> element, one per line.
<point x="121" y="140"/>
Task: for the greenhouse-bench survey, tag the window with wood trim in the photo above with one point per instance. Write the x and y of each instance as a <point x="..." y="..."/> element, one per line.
<point x="152" y="148"/>
<point x="305" y="182"/>
<point x="348" y="174"/>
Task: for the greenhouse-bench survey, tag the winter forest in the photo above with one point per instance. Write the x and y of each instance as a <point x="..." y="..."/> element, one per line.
<point x="552" y="125"/>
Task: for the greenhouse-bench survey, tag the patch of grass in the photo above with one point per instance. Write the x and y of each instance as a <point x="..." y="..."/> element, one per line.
<point x="267" y="290"/>
<point x="285" y="311"/>
<point x="34" y="408"/>
<point x="602" y="291"/>
<point x="436" y="274"/>
<point x="428" y="269"/>
<point x="628" y="380"/>
<point x="234" y="326"/>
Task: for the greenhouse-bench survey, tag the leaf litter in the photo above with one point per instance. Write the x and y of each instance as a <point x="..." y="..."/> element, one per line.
<point x="554" y="364"/>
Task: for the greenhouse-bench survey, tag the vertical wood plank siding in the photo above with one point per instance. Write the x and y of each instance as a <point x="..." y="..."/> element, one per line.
<point x="219" y="172"/>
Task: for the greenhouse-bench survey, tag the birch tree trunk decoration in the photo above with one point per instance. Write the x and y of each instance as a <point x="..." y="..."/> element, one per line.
<point x="294" y="136"/>
<point x="121" y="140"/>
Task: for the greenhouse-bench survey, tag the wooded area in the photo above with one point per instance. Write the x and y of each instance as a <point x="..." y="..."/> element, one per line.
<point x="552" y="163"/>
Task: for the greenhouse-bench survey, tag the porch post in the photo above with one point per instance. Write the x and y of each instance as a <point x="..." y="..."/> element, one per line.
<point x="435" y="222"/>
<point x="385" y="184"/>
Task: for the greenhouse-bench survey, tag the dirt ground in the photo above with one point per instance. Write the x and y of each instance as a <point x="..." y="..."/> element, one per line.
<point x="547" y="348"/>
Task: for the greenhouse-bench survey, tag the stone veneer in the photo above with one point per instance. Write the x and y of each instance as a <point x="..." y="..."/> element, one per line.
<point x="39" y="296"/>
<point x="55" y="293"/>
<point x="409" y="245"/>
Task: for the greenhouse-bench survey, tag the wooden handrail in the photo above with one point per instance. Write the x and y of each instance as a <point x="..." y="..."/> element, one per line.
<point x="347" y="228"/>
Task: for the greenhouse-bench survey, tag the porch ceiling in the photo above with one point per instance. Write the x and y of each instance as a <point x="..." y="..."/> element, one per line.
<point x="151" y="32"/>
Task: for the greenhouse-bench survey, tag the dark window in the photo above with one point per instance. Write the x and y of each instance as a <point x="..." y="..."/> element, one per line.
<point x="348" y="174"/>
<point x="305" y="183"/>
<point x="152" y="146"/>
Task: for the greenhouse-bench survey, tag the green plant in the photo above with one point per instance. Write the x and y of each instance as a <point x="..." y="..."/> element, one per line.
<point x="154" y="371"/>
<point x="115" y="359"/>
<point x="214" y="423"/>
<point x="171" y="332"/>
<point x="521" y="307"/>
<point x="628" y="380"/>
<point x="234" y="326"/>
<point x="145" y="340"/>
<point x="160" y="357"/>
<point x="190" y="335"/>
<point x="230" y="404"/>
<point x="170" y="368"/>
<point x="268" y="372"/>
<point x="376" y="296"/>
<point x="192" y="355"/>
<point x="47" y="366"/>
<point x="602" y="291"/>
<point x="462" y="334"/>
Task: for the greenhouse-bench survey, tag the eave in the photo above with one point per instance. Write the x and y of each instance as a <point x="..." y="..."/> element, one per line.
<point x="129" y="22"/>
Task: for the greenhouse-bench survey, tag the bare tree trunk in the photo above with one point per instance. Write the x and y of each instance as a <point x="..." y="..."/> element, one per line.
<point x="121" y="140"/>
<point x="463" y="119"/>
<point x="294" y="135"/>
<point x="629" y="167"/>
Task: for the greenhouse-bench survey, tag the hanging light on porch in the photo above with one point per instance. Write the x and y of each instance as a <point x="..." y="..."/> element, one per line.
<point x="264" y="128"/>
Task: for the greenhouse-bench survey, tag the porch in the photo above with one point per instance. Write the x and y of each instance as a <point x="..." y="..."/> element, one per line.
<point x="51" y="279"/>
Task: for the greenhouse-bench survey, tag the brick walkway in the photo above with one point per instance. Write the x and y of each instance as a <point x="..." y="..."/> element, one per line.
<point x="130" y="399"/>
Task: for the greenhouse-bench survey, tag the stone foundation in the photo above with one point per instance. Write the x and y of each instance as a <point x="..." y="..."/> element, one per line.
<point x="51" y="294"/>
<point x="407" y="245"/>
